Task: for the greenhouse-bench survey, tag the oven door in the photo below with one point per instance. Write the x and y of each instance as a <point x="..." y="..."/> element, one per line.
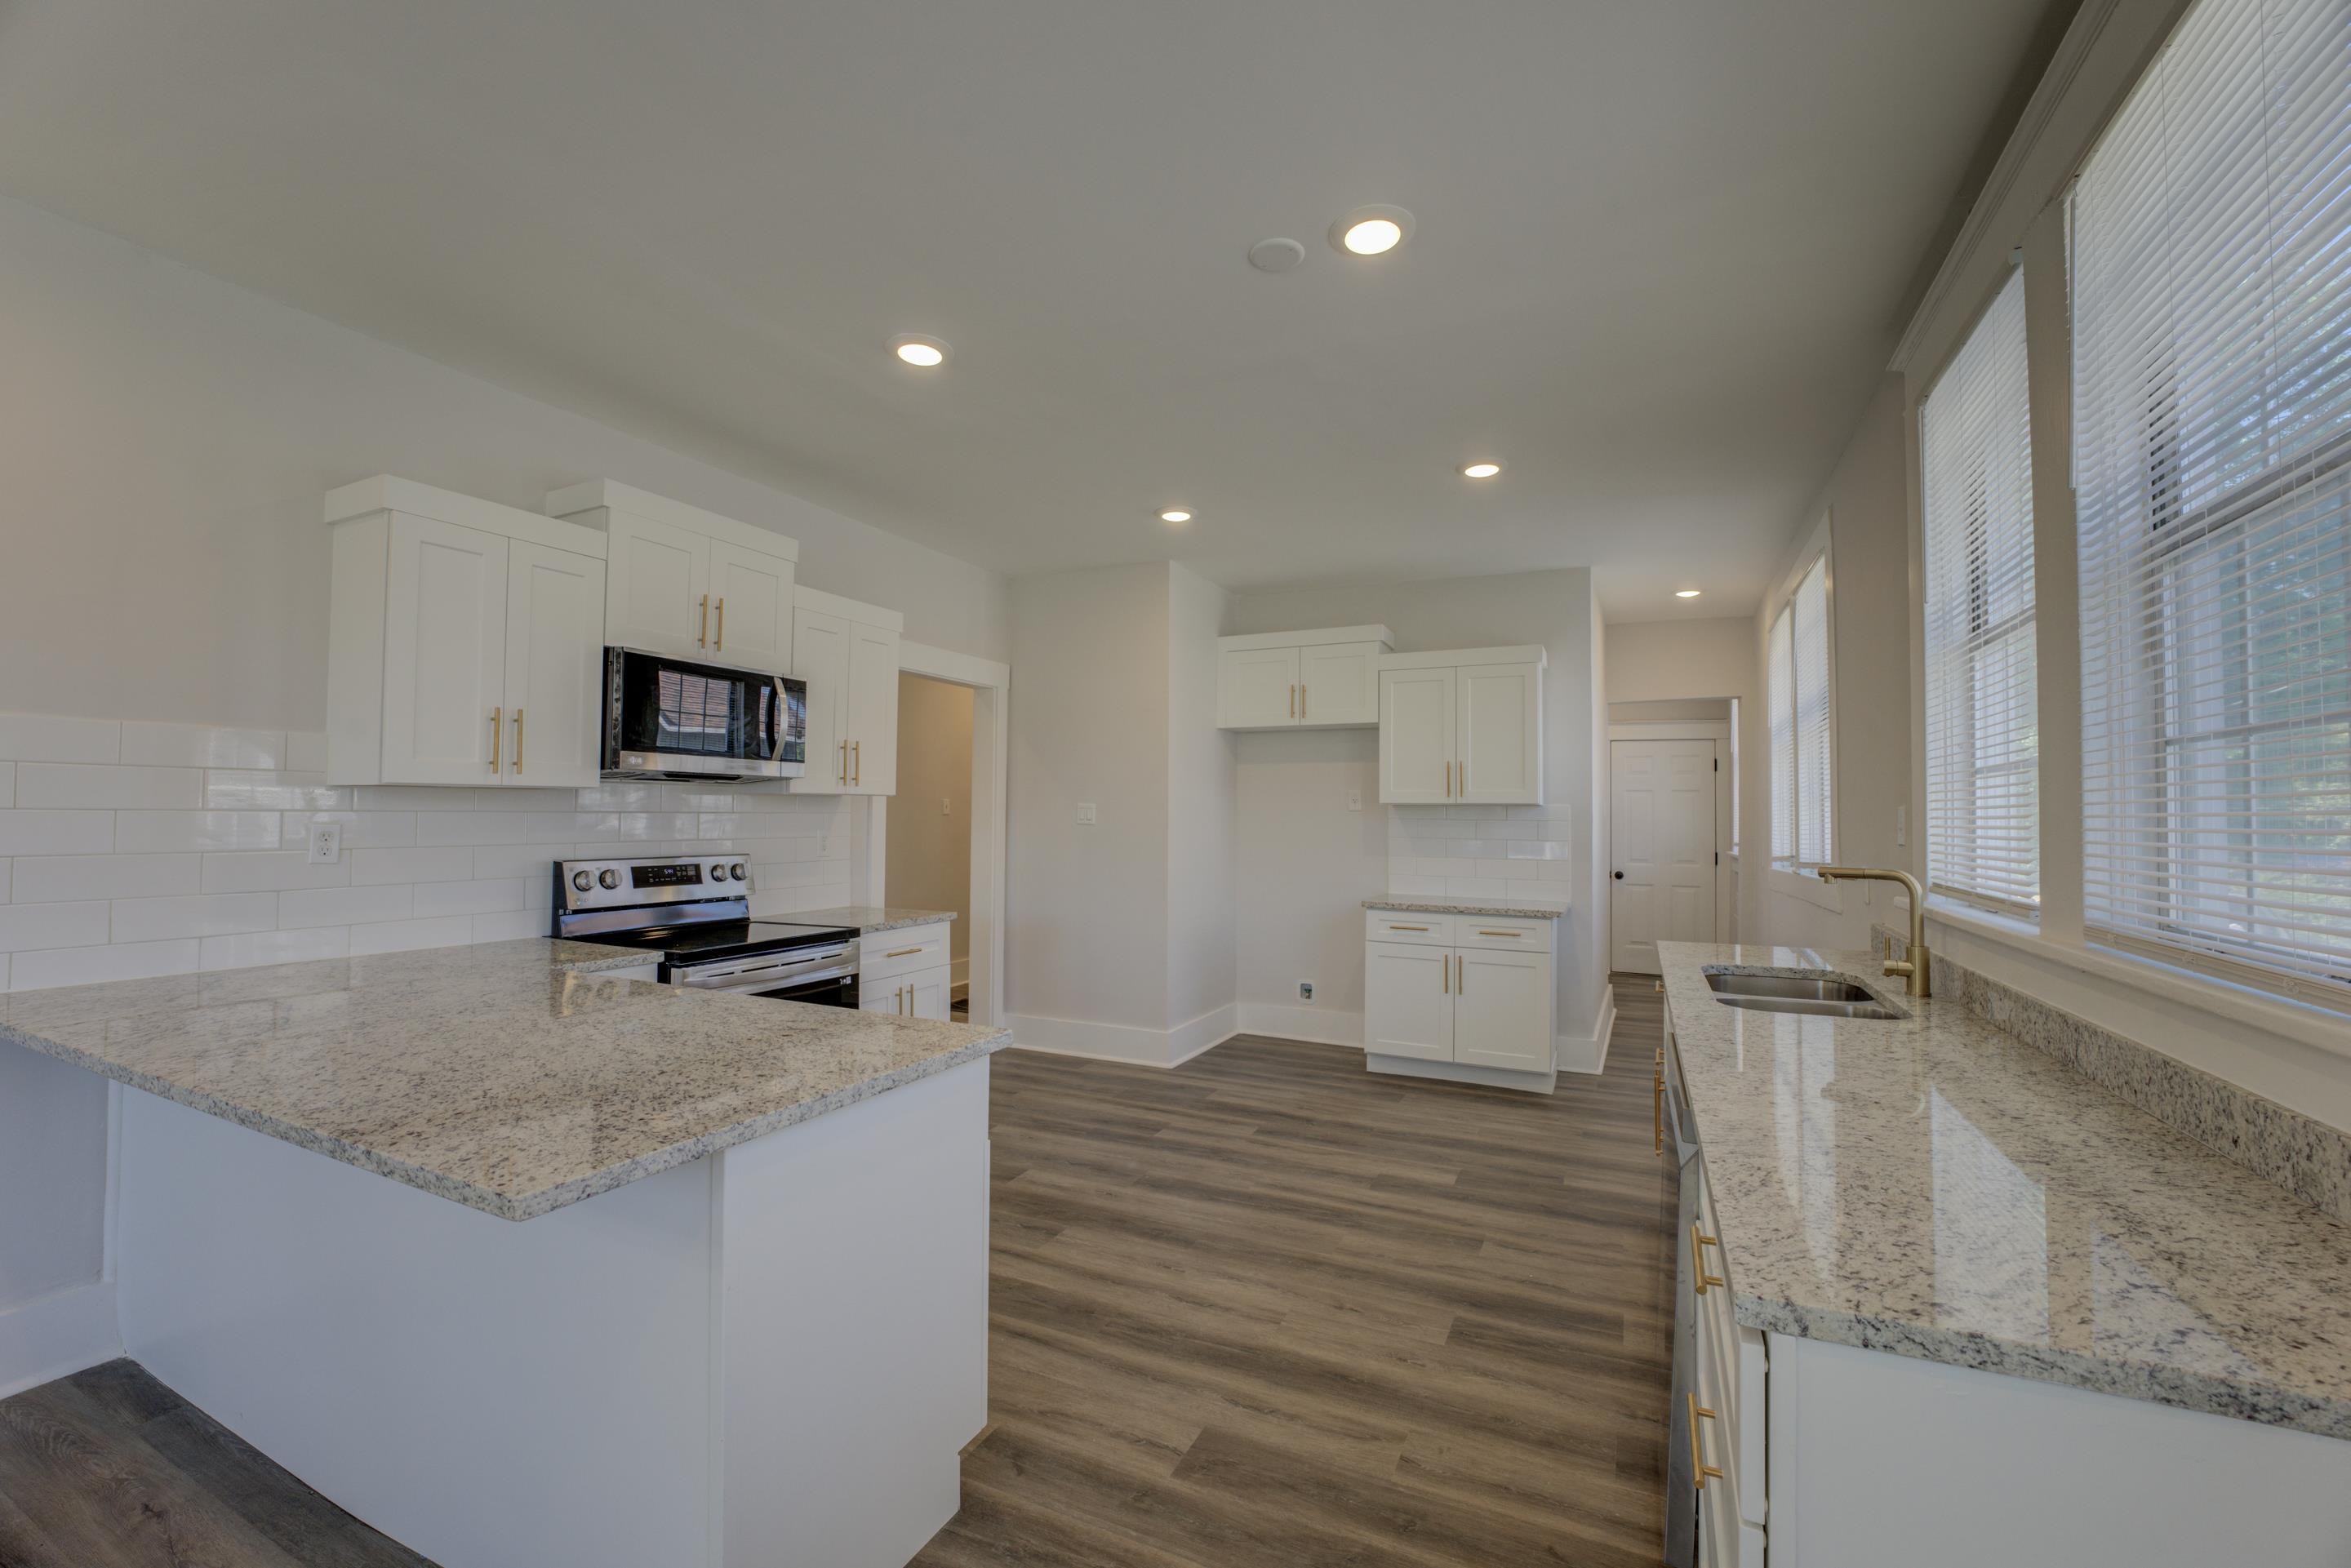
<point x="826" y="975"/>
<point x="669" y="719"/>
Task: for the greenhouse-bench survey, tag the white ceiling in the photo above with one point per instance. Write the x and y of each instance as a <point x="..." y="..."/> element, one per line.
<point x="1660" y="250"/>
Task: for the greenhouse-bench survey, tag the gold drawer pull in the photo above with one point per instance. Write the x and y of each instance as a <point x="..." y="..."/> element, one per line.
<point x="1698" y="1259"/>
<point x="1697" y="1451"/>
<point x="701" y="637"/>
<point x="497" y="736"/>
<point x="722" y="624"/>
<point x="902" y="952"/>
<point x="518" y="740"/>
<point x="1501" y="933"/>
<point x="1407" y="927"/>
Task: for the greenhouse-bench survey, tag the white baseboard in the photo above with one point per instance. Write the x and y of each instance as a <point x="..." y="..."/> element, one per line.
<point x="1589" y="1053"/>
<point x="1124" y="1042"/>
<point x="46" y="1338"/>
<point x="1461" y="1072"/>
<point x="1316" y="1026"/>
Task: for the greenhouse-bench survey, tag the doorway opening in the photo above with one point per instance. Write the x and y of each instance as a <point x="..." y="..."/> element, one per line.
<point x="1671" y="771"/>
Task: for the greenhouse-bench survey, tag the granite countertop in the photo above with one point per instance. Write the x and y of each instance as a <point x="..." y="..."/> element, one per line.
<point x="1499" y="908"/>
<point x="511" y="1077"/>
<point x="869" y="918"/>
<point x="1936" y="1188"/>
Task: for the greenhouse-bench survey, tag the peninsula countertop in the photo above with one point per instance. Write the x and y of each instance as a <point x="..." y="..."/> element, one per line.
<point x="1935" y="1188"/>
<point x="511" y="1077"/>
<point x="1497" y="908"/>
<point x="869" y="918"/>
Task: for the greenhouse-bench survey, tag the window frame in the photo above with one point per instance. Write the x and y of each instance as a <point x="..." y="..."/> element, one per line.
<point x="1795" y="875"/>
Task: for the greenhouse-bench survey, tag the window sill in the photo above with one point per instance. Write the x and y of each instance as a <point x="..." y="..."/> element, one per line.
<point x="2236" y="1008"/>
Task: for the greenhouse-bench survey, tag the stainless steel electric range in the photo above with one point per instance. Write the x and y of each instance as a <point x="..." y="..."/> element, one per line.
<point x="695" y="916"/>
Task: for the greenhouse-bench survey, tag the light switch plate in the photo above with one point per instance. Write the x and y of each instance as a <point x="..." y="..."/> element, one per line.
<point x="1085" y="813"/>
<point x="1901" y="825"/>
<point x="326" y="844"/>
<point x="1354" y="800"/>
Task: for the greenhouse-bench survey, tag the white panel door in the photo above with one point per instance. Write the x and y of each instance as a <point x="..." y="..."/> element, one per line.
<point x="871" y="713"/>
<point x="1416" y="736"/>
<point x="1339" y="683"/>
<point x="750" y="608"/>
<point x="658" y="595"/>
<point x="1257" y="688"/>
<point x="1501" y="748"/>
<point x="1502" y="1009"/>
<point x="443" y="653"/>
<point x="554" y="666"/>
<point x="1661" y="848"/>
<point x="820" y="657"/>
<point x="1408" y="1001"/>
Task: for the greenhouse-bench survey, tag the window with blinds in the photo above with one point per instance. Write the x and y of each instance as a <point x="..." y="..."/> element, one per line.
<point x="2212" y="294"/>
<point x="1983" y="737"/>
<point x="1800" y="728"/>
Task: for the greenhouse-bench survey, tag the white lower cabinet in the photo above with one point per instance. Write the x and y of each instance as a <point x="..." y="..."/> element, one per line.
<point x="1476" y="993"/>
<point x="906" y="972"/>
<point x="926" y="994"/>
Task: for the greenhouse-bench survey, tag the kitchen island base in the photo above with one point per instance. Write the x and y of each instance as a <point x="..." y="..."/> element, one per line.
<point x="768" y="1356"/>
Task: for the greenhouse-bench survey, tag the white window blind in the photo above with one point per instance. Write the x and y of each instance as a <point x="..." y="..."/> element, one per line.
<point x="1983" y="737"/>
<point x="1801" y="732"/>
<point x="2212" y="339"/>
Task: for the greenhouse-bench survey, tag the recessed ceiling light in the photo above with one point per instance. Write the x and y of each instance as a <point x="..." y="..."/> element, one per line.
<point x="1372" y="231"/>
<point x="923" y="354"/>
<point x="1485" y="470"/>
<point x="1686" y="593"/>
<point x="1175" y="515"/>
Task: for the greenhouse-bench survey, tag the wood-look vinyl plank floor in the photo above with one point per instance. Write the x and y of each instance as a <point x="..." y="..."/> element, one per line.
<point x="1264" y="1311"/>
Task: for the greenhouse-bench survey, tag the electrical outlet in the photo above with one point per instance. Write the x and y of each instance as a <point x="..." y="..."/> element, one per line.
<point x="824" y="843"/>
<point x="1305" y="990"/>
<point x="946" y="807"/>
<point x="1354" y="800"/>
<point x="326" y="844"/>
<point x="1085" y="813"/>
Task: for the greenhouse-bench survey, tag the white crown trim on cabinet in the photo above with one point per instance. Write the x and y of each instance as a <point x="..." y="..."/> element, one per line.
<point x="594" y="493"/>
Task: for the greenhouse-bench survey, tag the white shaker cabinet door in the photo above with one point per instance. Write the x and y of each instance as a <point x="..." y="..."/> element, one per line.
<point x="443" y="653"/>
<point x="820" y="657"/>
<point x="1502" y="1009"/>
<point x="1339" y="683"/>
<point x="1257" y="688"/>
<point x="658" y="596"/>
<point x="1408" y="1001"/>
<point x="928" y="994"/>
<point x="750" y="608"/>
<point x="871" y="713"/>
<point x="554" y="666"/>
<point x="1501" y="747"/>
<point x="1416" y="729"/>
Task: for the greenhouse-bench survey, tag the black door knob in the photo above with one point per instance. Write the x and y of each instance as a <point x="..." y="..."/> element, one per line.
<point x="1617" y="874"/>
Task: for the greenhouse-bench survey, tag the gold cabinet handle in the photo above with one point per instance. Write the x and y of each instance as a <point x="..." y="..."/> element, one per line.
<point x="721" y="644"/>
<point x="702" y="638"/>
<point x="1501" y="933"/>
<point x="1657" y="1100"/>
<point x="857" y="762"/>
<point x="1448" y="781"/>
<point x="844" y="762"/>
<point x="1460" y="976"/>
<point x="518" y="740"/>
<point x="1698" y="1451"/>
<point x="1461" y="772"/>
<point x="1301" y="702"/>
<point x="1698" y="1259"/>
<point x="1293" y="699"/>
<point x="1407" y="927"/>
<point x="1444" y="973"/>
<point x="498" y="736"/>
<point x="902" y="952"/>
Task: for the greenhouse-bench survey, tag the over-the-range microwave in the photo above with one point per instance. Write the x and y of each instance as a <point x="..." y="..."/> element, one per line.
<point x="670" y="718"/>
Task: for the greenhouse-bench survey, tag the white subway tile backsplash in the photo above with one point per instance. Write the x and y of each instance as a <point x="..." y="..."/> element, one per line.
<point x="403" y="935"/>
<point x="362" y="829"/>
<point x="511" y="926"/>
<point x="648" y="827"/>
<point x="164" y="832"/>
<point x="48" y="737"/>
<point x="25" y="832"/>
<point x="492" y="861"/>
<point x="372" y="868"/>
<point x="312" y="907"/>
<point x="251" y="790"/>
<point x="27" y="926"/>
<point x="107" y="787"/>
<point x="202" y="746"/>
<point x="573" y="827"/>
<point x="117" y="961"/>
<point x="194" y="914"/>
<point x="7" y="784"/>
<point x="468" y="828"/>
<point x="494" y="895"/>
<point x="243" y="952"/>
<point x="306" y="751"/>
<point x="522" y="797"/>
<point x="622" y="795"/>
<point x="50" y="879"/>
<point x="271" y="871"/>
<point x="412" y="798"/>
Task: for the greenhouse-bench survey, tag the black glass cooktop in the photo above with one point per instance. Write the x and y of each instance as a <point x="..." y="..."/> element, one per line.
<point x="716" y="939"/>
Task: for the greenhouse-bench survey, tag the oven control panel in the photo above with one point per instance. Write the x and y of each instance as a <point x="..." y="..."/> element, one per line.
<point x="631" y="884"/>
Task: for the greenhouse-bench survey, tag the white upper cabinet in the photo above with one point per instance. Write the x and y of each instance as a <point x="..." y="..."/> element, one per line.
<point x="1461" y="727"/>
<point x="688" y="583"/>
<point x="848" y="654"/>
<point x="465" y="640"/>
<point x="1300" y="680"/>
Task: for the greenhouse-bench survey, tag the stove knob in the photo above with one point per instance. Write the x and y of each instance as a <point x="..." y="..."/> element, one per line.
<point x="609" y="878"/>
<point x="718" y="872"/>
<point x="583" y="880"/>
<point x="742" y="872"/>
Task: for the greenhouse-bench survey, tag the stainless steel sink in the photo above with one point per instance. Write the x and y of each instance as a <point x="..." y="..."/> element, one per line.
<point x="1820" y="995"/>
